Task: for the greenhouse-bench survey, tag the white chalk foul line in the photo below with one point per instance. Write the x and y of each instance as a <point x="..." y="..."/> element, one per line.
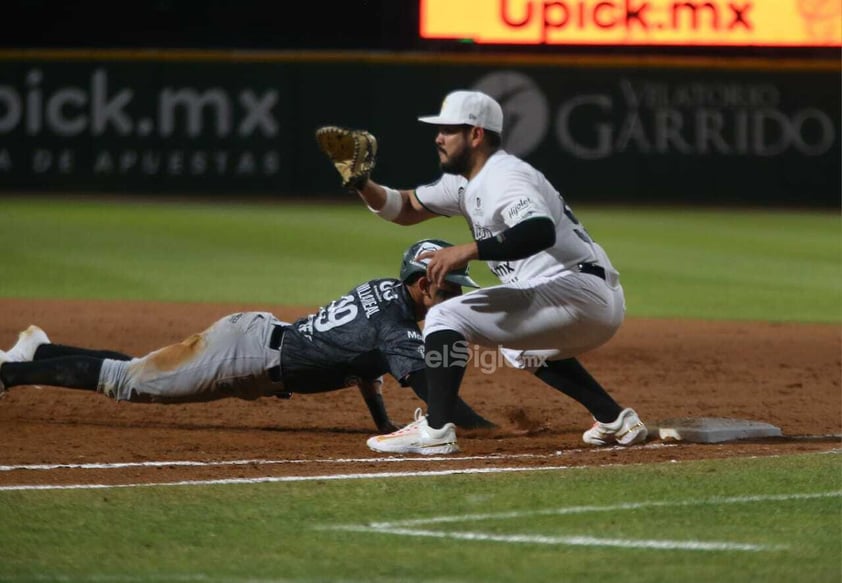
<point x="265" y="462"/>
<point x="274" y="479"/>
<point x="373" y="475"/>
<point x="585" y="541"/>
<point x="400" y="527"/>
<point x="603" y="508"/>
<point x="366" y="460"/>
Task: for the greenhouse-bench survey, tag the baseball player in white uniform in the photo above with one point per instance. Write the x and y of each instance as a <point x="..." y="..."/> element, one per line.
<point x="559" y="296"/>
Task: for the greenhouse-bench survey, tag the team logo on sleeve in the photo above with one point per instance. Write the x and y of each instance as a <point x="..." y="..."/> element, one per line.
<point x="521" y="209"/>
<point x="481" y="232"/>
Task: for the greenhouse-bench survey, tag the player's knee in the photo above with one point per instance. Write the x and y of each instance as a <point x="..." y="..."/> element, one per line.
<point x="111" y="375"/>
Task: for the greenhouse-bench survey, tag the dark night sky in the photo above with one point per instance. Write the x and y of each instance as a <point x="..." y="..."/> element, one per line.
<point x="267" y="25"/>
<point x="259" y="24"/>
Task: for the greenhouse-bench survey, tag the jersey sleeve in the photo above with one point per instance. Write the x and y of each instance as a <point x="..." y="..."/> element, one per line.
<point x="519" y="199"/>
<point x="403" y="349"/>
<point x="442" y="197"/>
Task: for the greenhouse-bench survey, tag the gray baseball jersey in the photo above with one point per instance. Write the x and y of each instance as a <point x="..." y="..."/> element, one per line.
<point x="368" y="332"/>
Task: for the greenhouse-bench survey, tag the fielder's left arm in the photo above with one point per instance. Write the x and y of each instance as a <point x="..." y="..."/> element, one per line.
<point x="354" y="155"/>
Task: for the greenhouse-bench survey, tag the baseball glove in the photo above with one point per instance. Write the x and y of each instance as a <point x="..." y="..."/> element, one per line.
<point x="353" y="152"/>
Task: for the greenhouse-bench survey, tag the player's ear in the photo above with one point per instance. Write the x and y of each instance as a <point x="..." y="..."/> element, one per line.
<point x="425" y="285"/>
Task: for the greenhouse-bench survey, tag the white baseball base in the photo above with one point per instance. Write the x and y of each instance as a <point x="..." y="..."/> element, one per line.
<point x="713" y="429"/>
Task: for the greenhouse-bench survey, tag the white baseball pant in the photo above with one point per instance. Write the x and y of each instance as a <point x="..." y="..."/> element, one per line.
<point x="552" y="318"/>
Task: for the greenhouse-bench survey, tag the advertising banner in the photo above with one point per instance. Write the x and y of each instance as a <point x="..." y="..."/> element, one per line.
<point x="678" y="135"/>
<point x="770" y="23"/>
<point x="749" y="135"/>
<point x="141" y="126"/>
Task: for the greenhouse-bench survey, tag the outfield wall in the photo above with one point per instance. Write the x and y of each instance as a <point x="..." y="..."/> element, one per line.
<point x="673" y="130"/>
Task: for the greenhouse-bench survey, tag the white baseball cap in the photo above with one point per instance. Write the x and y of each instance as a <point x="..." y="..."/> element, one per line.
<point x="468" y="107"/>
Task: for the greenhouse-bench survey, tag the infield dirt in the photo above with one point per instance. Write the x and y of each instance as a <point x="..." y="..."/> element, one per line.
<point x="780" y="373"/>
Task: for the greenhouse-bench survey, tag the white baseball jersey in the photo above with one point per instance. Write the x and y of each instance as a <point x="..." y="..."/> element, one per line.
<point x="507" y="191"/>
<point x="545" y="306"/>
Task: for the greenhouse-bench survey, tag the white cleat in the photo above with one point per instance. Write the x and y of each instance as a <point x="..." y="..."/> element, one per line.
<point x="417" y="437"/>
<point x="28" y="342"/>
<point x="627" y="429"/>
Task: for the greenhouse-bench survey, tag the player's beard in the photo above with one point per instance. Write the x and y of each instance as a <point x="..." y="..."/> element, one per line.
<point x="456" y="163"/>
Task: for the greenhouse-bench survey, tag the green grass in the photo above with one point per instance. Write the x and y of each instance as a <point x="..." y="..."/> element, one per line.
<point x="787" y="510"/>
<point x="754" y="265"/>
<point x="685" y="263"/>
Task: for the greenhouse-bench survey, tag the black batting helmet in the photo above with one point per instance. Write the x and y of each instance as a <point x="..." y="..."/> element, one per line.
<point x="410" y="265"/>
